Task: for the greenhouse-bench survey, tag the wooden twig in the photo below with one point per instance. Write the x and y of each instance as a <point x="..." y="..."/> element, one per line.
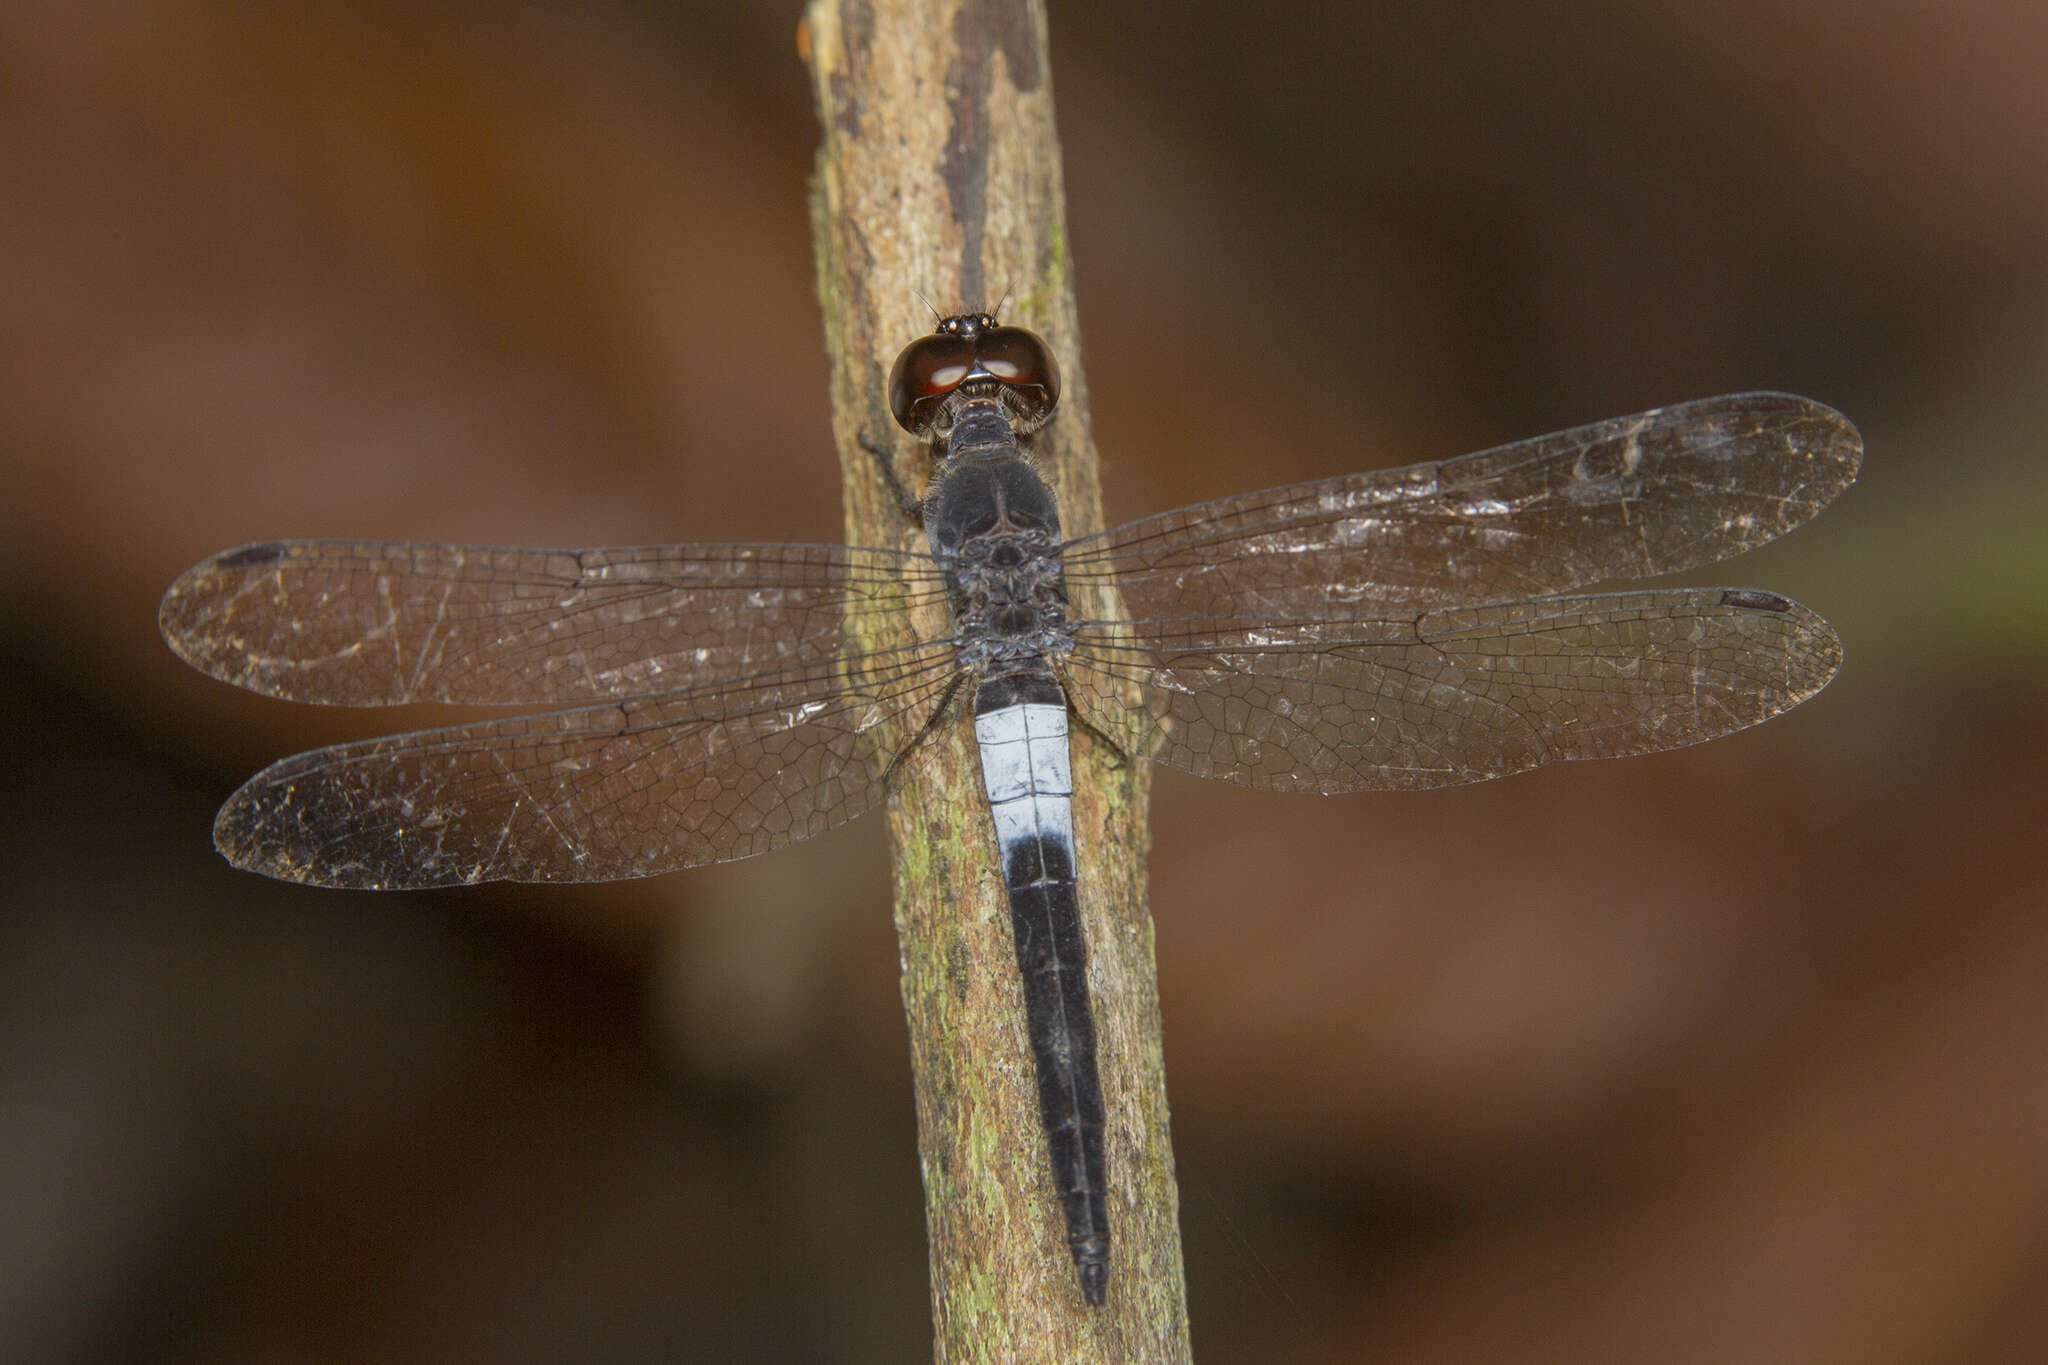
<point x="940" y="176"/>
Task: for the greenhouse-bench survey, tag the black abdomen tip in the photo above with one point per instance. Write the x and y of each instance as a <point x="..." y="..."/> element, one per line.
<point x="1095" y="1284"/>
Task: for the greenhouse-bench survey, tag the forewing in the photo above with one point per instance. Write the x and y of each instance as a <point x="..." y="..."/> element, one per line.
<point x="1655" y="493"/>
<point x="1437" y="698"/>
<point x="377" y="623"/>
<point x="599" y="793"/>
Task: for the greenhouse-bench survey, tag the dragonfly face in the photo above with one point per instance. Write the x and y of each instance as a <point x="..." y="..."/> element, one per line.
<point x="973" y="352"/>
<point x="1394" y="630"/>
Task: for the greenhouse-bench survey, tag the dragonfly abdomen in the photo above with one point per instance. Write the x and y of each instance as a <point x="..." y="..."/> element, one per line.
<point x="1020" y="723"/>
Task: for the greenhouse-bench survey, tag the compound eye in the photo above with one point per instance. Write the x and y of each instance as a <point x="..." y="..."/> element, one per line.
<point x="926" y="371"/>
<point x="1023" y="362"/>
<point x="1017" y="356"/>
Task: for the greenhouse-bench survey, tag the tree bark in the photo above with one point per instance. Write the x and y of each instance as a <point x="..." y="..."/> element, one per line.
<point x="939" y="176"/>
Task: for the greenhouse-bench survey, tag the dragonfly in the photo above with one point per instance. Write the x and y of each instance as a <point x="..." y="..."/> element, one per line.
<point x="1394" y="630"/>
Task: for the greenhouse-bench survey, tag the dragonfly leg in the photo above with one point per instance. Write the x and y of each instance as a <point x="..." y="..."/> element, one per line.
<point x="931" y="723"/>
<point x="1120" y="757"/>
<point x="884" y="457"/>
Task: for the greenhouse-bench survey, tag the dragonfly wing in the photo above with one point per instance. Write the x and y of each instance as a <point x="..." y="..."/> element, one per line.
<point x="1437" y="698"/>
<point x="376" y="623"/>
<point x="1655" y="493"/>
<point x="627" y="789"/>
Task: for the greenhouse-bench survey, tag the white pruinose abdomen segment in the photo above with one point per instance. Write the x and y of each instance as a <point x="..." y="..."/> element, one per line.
<point x="1026" y="773"/>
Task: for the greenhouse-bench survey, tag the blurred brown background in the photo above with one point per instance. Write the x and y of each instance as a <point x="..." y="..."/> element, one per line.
<point x="1735" y="1054"/>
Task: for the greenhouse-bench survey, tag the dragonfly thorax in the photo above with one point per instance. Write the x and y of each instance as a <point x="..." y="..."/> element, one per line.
<point x="1010" y="602"/>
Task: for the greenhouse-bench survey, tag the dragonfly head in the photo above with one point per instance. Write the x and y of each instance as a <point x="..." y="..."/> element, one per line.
<point x="972" y="355"/>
